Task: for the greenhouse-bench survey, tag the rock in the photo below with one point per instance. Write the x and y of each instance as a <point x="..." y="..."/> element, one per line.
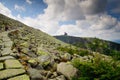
<point x="8" y="44"/>
<point x="6" y="39"/>
<point x="6" y="57"/>
<point x="31" y="54"/>
<point x="10" y="64"/>
<point x="25" y="50"/>
<point x="6" y="51"/>
<point x="10" y="73"/>
<point x="35" y="74"/>
<point x="49" y="74"/>
<point x="62" y="77"/>
<point x="52" y="79"/>
<point x="21" y="77"/>
<point x="32" y="62"/>
<point x="41" y="52"/>
<point x="1" y="66"/>
<point x="54" y="75"/>
<point x="24" y="44"/>
<point x="66" y="56"/>
<point x="39" y="67"/>
<point x="67" y="69"/>
<point x="44" y="60"/>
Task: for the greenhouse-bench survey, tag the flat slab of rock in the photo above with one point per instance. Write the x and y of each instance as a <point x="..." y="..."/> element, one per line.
<point x="67" y="69"/>
<point x="8" y="44"/>
<point x="6" y="51"/>
<point x="22" y="77"/>
<point x="6" y="57"/>
<point x="1" y="66"/>
<point x="10" y="73"/>
<point x="13" y="64"/>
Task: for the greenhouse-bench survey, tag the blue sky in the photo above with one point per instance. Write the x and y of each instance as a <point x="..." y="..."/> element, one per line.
<point x="83" y="18"/>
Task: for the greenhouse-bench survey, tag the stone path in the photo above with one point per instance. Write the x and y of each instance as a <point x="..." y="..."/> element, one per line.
<point x="10" y="68"/>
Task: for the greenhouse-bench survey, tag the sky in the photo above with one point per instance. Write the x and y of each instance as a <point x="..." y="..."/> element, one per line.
<point x="82" y="18"/>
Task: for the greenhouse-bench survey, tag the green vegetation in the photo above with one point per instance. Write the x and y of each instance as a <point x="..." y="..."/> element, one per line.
<point x="97" y="69"/>
<point x="81" y="52"/>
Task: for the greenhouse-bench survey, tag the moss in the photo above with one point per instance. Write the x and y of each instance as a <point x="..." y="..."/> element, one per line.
<point x="41" y="52"/>
<point x="24" y="44"/>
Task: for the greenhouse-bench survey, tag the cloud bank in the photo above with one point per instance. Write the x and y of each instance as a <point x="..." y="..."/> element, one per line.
<point x="90" y="16"/>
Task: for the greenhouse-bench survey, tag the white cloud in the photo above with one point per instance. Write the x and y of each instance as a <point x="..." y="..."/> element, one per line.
<point x="19" y="8"/>
<point x="88" y="23"/>
<point x="29" y="2"/>
<point x="4" y="10"/>
<point x="74" y="9"/>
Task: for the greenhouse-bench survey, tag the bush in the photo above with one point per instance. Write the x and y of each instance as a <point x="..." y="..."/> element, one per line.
<point x="74" y="51"/>
<point x="101" y="70"/>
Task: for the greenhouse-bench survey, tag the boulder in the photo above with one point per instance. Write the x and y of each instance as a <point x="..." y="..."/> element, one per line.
<point x="44" y="60"/>
<point x="35" y="74"/>
<point x="67" y="69"/>
<point x="10" y="73"/>
<point x="1" y="66"/>
<point x="66" y="57"/>
<point x="61" y="77"/>
<point x="6" y="57"/>
<point x="32" y="62"/>
<point x="21" y="77"/>
<point x="8" y="44"/>
<point x="6" y="51"/>
<point x="13" y="64"/>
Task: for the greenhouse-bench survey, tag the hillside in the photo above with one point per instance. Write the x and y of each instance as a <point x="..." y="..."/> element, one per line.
<point x="84" y="42"/>
<point x="30" y="54"/>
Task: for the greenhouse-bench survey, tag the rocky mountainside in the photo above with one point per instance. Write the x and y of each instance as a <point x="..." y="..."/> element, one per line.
<point x="30" y="54"/>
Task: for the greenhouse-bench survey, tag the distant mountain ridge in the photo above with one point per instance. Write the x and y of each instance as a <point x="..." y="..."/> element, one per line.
<point x="84" y="41"/>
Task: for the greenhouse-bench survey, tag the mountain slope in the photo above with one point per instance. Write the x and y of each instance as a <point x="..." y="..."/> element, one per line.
<point x="7" y="24"/>
<point x="89" y="43"/>
<point x="30" y="54"/>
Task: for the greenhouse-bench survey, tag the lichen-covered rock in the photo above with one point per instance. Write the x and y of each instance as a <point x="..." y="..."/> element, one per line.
<point x="10" y="73"/>
<point x="44" y="60"/>
<point x="1" y="66"/>
<point x="11" y="64"/>
<point x="41" y="52"/>
<point x="8" y="44"/>
<point x="6" y="51"/>
<point x="32" y="62"/>
<point x="62" y="77"/>
<point x="6" y="57"/>
<point x="35" y="74"/>
<point x="22" y="77"/>
<point x="67" y="69"/>
<point x="66" y="56"/>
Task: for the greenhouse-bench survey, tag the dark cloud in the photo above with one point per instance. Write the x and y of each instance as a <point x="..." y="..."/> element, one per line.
<point x="116" y="10"/>
<point x="93" y="6"/>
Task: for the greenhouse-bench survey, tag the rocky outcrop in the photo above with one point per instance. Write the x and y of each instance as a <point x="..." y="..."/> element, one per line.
<point x="67" y="69"/>
<point x="10" y="67"/>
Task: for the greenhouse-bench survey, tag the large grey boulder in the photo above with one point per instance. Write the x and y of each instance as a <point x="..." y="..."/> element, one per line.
<point x="35" y="74"/>
<point x="67" y="69"/>
<point x="44" y="60"/>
